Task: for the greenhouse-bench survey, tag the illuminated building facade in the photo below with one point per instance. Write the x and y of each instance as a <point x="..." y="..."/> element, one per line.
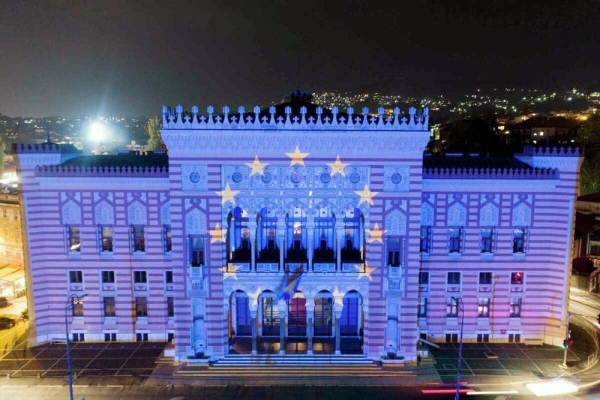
<point x="342" y="213"/>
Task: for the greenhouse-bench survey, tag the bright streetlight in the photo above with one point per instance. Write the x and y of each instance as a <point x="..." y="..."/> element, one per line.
<point x="97" y="133"/>
<point x="72" y="300"/>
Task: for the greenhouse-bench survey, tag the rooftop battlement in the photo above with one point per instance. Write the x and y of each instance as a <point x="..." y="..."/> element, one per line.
<point x="323" y="119"/>
<point x="569" y="151"/>
<point x="43" y="148"/>
<point x="100" y="171"/>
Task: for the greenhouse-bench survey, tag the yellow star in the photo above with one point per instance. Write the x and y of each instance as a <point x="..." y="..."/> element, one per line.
<point x="255" y="296"/>
<point x="367" y="272"/>
<point x="228" y="195"/>
<point x="338" y="296"/>
<point x="230" y="271"/>
<point x="297" y="157"/>
<point x="338" y="167"/>
<point x="366" y="195"/>
<point x="257" y="167"/>
<point x="376" y="234"/>
<point x="217" y="235"/>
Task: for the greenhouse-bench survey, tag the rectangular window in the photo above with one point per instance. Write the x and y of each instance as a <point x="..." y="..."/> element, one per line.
<point x="138" y="240"/>
<point x="75" y="276"/>
<point x="77" y="307"/>
<point x="519" y="241"/>
<point x="74" y="239"/>
<point x="517" y="281"/>
<point x="514" y="338"/>
<point x="422" y="306"/>
<point x="424" y="281"/>
<point x="109" y="307"/>
<point x="451" y="308"/>
<point x="394" y="251"/>
<point x="170" y="307"/>
<point x="106" y="233"/>
<point x="425" y="239"/>
<point x="168" y="280"/>
<point x="451" y="337"/>
<point x="108" y="276"/>
<point x="167" y="242"/>
<point x="453" y="282"/>
<point x="485" y="278"/>
<point x="141" y="306"/>
<point x="110" y="337"/>
<point x="515" y="307"/>
<point x="455" y="240"/>
<point x="196" y="251"/>
<point x="78" y="337"/>
<point x="140" y="277"/>
<point x="483" y="308"/>
<point x="487" y="235"/>
<point x="141" y="337"/>
<point x="483" y="337"/>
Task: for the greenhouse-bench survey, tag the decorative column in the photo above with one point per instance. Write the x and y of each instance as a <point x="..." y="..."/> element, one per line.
<point x="252" y="229"/>
<point x="281" y="241"/>
<point x="391" y="331"/>
<point x="339" y="237"/>
<point x="310" y="317"/>
<point x="253" y="314"/>
<point x="310" y="245"/>
<point x="199" y="339"/>
<point x="338" y="306"/>
<point x="282" y="306"/>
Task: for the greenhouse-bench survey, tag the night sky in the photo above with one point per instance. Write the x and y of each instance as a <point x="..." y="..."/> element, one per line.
<point x="128" y="58"/>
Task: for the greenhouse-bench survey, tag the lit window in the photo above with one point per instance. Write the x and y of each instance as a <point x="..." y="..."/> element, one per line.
<point x="483" y="308"/>
<point x="239" y="236"/>
<point x="516" y="278"/>
<point x="422" y="306"/>
<point x="519" y="241"/>
<point x="451" y="308"/>
<point x="77" y="307"/>
<point x="74" y="239"/>
<point x="515" y="307"/>
<point x="106" y="233"/>
<point x="109" y="307"/>
<point x="141" y="306"/>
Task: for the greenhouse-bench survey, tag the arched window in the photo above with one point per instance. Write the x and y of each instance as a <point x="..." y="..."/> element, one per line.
<point x="353" y="236"/>
<point x="324" y="240"/>
<point x="268" y="249"/>
<point x="239" y="236"/>
<point x="295" y="236"/>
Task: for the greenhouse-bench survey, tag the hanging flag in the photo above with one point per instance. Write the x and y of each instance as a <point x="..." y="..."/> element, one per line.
<point x="290" y="282"/>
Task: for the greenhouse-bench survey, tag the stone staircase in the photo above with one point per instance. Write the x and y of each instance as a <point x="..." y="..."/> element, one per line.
<point x="291" y="368"/>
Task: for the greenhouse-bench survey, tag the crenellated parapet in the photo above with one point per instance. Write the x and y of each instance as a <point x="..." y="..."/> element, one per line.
<point x="490" y="173"/>
<point x="99" y="171"/>
<point x="323" y="119"/>
<point x="568" y="151"/>
<point x="43" y="148"/>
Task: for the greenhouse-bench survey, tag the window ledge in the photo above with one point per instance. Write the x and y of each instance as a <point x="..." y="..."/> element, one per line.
<point x="483" y="321"/>
<point x="519" y="256"/>
<point x="514" y="321"/>
<point x="110" y="320"/>
<point x="452" y="320"/>
<point x="425" y="256"/>
<point x="74" y="254"/>
<point x="106" y="254"/>
<point x="487" y="256"/>
<point x="454" y="256"/>
<point x="139" y="255"/>
<point x="168" y="255"/>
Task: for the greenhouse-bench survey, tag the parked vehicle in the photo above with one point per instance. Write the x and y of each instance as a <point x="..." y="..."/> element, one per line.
<point x="5" y="301"/>
<point x="8" y="321"/>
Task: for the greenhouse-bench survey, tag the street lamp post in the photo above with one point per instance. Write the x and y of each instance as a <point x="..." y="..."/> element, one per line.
<point x="460" y="307"/>
<point x="566" y="342"/>
<point x="71" y="301"/>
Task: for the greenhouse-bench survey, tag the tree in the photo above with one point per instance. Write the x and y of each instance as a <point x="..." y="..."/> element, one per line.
<point x="589" y="136"/>
<point x="154" y="139"/>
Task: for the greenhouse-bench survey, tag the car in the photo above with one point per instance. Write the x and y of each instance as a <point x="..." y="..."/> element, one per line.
<point x="5" y="302"/>
<point x="8" y="321"/>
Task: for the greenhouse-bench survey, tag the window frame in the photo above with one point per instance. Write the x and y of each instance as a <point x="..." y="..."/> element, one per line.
<point x="73" y="234"/>
<point x="519" y="243"/>
<point x="455" y="243"/>
<point x="141" y="306"/>
<point x="110" y="310"/>
<point x="425" y="241"/>
<point x="515" y="307"/>
<point x="138" y="239"/>
<point x="104" y="247"/>
<point x="483" y="307"/>
<point x="486" y="244"/>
